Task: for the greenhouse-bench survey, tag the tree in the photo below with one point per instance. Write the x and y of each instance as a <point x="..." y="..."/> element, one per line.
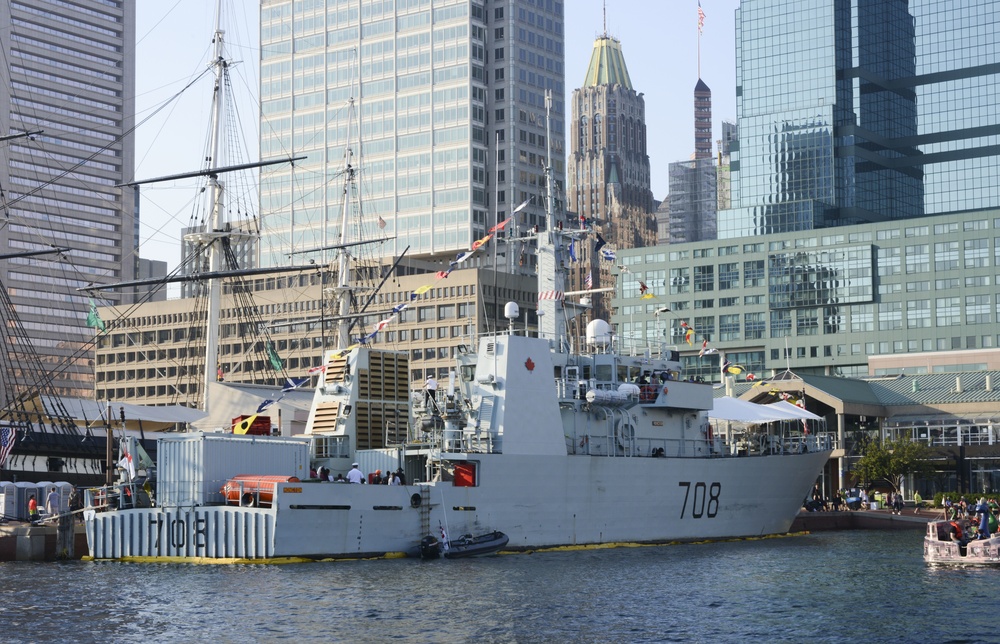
<point x="892" y="461"/>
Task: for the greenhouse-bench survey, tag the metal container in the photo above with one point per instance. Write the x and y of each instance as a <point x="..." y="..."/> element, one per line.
<point x="192" y="468"/>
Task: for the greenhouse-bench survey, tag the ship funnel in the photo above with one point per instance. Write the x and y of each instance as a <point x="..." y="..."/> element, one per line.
<point x="958" y="384"/>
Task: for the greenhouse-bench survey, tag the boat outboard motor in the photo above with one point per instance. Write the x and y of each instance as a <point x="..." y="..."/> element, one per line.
<point x="430" y="548"/>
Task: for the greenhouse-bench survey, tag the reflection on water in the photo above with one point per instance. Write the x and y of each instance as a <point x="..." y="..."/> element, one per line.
<point x="828" y="587"/>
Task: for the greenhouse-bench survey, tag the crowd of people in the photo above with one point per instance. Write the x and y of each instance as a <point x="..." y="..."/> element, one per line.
<point x="355" y="475"/>
<point x="969" y="522"/>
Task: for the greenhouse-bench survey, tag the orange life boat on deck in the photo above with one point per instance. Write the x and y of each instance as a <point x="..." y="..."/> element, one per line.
<point x="250" y="490"/>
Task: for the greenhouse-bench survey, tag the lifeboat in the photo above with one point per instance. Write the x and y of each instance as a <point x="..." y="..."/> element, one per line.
<point x="249" y="490"/>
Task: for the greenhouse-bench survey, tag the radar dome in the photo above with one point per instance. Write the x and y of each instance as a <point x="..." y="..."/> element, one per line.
<point x="599" y="333"/>
<point x="510" y="311"/>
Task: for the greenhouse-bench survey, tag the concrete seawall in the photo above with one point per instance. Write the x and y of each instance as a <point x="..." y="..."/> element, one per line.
<point x="863" y="520"/>
<point x="25" y="542"/>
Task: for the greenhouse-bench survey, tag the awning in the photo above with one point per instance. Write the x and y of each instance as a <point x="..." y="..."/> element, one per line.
<point x="86" y="412"/>
<point x="734" y="409"/>
<point x="793" y="411"/>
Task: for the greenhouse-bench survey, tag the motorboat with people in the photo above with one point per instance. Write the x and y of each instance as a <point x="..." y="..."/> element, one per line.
<point x="534" y="442"/>
<point x="964" y="541"/>
<point x="945" y="543"/>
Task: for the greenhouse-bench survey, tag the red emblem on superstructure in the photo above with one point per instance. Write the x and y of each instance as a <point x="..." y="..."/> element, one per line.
<point x="529" y="364"/>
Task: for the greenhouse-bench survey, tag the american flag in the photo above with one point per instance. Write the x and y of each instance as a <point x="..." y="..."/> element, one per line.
<point x="588" y="282"/>
<point x="8" y="436"/>
<point x="701" y="17"/>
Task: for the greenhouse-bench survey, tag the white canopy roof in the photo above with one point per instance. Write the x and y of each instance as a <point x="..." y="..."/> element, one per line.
<point x="794" y="411"/>
<point x="91" y="412"/>
<point x="734" y="409"/>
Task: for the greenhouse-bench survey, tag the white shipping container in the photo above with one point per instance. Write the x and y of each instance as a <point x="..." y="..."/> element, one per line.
<point x="192" y="468"/>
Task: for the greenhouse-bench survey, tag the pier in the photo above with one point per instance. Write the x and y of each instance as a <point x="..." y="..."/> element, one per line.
<point x="20" y="541"/>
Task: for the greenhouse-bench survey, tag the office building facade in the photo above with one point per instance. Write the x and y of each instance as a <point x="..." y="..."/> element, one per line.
<point x="68" y="78"/>
<point x="452" y="112"/>
<point x="857" y="111"/>
<point x="154" y="353"/>
<point x="820" y="302"/>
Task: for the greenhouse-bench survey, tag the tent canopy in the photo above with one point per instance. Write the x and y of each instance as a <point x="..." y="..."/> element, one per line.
<point x="744" y="411"/>
<point x="793" y="411"/>
<point x="734" y="409"/>
<point x="86" y="412"/>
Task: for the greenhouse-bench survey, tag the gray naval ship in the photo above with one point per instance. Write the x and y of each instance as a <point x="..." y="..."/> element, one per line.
<point x="549" y="445"/>
<point x="533" y="438"/>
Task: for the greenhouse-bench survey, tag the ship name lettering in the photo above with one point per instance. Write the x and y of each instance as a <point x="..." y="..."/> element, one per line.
<point x="704" y="499"/>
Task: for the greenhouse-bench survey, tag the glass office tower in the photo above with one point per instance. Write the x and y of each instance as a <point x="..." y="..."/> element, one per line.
<point x="450" y="96"/>
<point x="854" y="111"/>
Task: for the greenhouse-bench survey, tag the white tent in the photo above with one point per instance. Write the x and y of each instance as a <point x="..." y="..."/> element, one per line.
<point x="91" y="413"/>
<point x="736" y="410"/>
<point x="793" y="411"/>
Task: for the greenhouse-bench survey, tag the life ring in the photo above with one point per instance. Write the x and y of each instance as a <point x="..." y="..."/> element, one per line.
<point x="584" y="441"/>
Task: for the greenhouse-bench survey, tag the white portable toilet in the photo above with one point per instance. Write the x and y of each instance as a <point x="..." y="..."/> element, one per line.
<point x="65" y="489"/>
<point x="8" y="500"/>
<point x="24" y="491"/>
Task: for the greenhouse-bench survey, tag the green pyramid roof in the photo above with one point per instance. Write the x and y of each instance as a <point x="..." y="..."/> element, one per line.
<point x="607" y="64"/>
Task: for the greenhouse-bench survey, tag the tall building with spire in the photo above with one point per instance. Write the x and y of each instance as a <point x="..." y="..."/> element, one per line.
<point x="608" y="170"/>
<point x="692" y="204"/>
<point x="702" y="121"/>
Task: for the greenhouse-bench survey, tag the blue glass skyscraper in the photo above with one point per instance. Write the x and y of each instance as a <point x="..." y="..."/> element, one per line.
<point x="855" y="111"/>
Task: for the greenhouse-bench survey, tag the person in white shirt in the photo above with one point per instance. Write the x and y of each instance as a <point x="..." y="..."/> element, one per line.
<point x="355" y="475"/>
<point x="52" y="502"/>
<point x="430" y="390"/>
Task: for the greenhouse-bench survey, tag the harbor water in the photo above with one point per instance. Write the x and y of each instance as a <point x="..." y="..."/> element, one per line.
<point x="851" y="586"/>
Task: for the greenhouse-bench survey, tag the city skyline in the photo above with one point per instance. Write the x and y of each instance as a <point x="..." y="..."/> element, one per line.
<point x="171" y="141"/>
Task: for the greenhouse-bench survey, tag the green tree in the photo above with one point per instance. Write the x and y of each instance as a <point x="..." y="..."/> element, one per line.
<point x="892" y="461"/>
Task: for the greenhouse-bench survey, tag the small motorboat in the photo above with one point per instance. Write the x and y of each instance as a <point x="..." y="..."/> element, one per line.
<point x="940" y="547"/>
<point x="470" y="546"/>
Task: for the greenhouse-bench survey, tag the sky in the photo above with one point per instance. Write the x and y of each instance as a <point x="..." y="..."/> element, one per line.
<point x="173" y="44"/>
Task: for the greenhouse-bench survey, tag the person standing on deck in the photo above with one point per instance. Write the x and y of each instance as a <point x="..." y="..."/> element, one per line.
<point x="355" y="475"/>
<point x="52" y="503"/>
<point x="430" y="390"/>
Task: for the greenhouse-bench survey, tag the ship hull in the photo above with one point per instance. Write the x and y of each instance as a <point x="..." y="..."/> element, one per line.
<point x="537" y="501"/>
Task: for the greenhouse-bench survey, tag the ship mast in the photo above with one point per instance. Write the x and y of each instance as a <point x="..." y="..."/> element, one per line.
<point x="343" y="288"/>
<point x="214" y="231"/>
<point x="551" y="276"/>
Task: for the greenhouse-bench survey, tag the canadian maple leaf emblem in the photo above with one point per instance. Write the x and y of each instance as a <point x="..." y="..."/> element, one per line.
<point x="529" y="364"/>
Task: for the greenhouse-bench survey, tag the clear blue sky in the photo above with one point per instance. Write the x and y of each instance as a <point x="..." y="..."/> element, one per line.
<point x="659" y="39"/>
